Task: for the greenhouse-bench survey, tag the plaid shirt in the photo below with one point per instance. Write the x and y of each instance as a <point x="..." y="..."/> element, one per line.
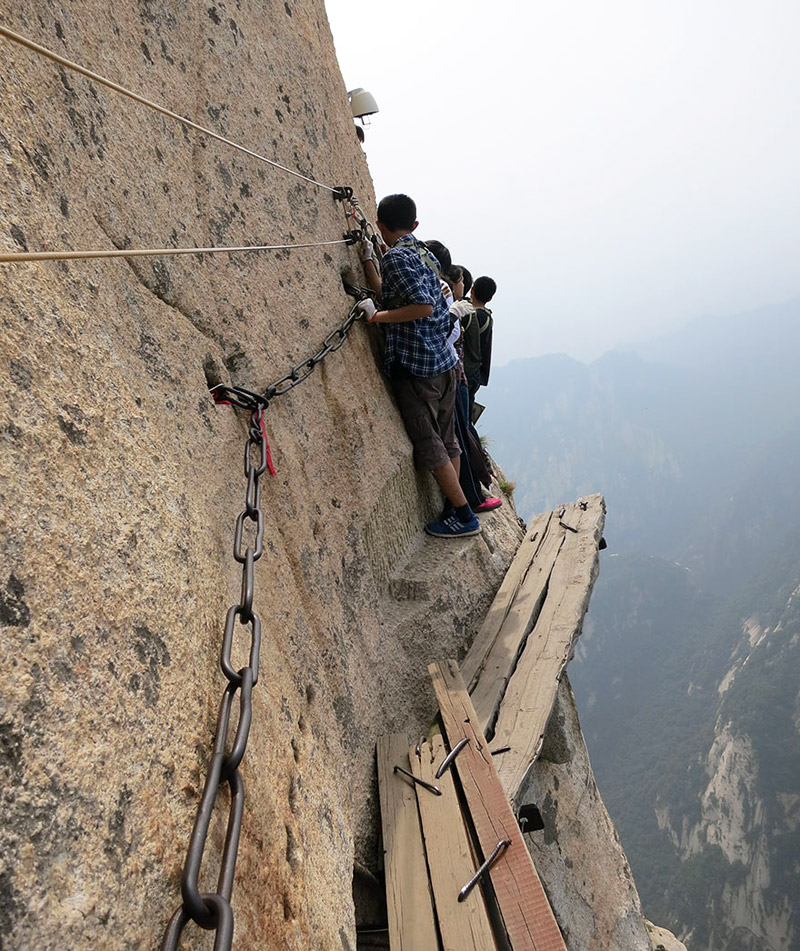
<point x="419" y="346"/>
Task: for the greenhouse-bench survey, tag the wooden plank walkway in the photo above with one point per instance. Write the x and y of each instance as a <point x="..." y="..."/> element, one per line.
<point x="464" y="926"/>
<point x="408" y="898"/>
<point x="513" y="668"/>
<point x="521" y="651"/>
<point x="527" y="916"/>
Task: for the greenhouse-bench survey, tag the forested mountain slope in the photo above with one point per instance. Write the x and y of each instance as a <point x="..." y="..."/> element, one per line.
<point x="687" y="674"/>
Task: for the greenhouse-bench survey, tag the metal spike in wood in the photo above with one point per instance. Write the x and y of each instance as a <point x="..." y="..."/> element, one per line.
<point x="408" y="896"/>
<point x="463" y="925"/>
<point x="528" y="918"/>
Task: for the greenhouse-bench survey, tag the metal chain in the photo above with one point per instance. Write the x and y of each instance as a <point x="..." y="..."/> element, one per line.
<point x="354" y="215"/>
<point x="247" y="399"/>
<point x="303" y="370"/>
<point x="212" y="911"/>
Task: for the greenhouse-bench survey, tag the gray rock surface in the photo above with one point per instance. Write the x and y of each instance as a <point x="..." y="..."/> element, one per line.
<point x="121" y="484"/>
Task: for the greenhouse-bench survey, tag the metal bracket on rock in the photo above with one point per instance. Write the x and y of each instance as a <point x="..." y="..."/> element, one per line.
<point x="224" y="395"/>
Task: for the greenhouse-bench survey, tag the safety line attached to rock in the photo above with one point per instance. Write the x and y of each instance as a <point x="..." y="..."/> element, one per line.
<point x="18" y="257"/>
<point x="116" y="87"/>
<point x="212" y="910"/>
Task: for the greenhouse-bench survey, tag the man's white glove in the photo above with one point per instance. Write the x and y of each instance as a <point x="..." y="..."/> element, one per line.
<point x="365" y="250"/>
<point x="368" y="309"/>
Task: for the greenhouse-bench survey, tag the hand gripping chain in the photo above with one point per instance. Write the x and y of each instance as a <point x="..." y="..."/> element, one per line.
<point x="212" y="911"/>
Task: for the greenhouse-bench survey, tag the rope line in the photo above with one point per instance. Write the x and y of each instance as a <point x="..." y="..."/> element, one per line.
<point x="96" y="77"/>
<point x="20" y="256"/>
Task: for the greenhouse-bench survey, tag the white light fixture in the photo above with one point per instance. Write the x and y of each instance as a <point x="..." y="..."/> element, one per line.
<point x="362" y="103"/>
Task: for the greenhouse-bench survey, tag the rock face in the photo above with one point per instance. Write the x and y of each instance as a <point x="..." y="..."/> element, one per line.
<point x="122" y="483"/>
<point x="747" y="828"/>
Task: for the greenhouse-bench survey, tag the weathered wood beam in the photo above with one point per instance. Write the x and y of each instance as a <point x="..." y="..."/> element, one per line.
<point x="484" y="640"/>
<point x="520" y="617"/>
<point x="528" y="918"/>
<point x="464" y="926"/>
<point x="531" y="691"/>
<point x="408" y="896"/>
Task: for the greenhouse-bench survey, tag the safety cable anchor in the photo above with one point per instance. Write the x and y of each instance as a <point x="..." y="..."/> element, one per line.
<point x="360" y="293"/>
<point x="530" y="815"/>
<point x="342" y="193"/>
<point x="224" y="395"/>
<point x="351" y="237"/>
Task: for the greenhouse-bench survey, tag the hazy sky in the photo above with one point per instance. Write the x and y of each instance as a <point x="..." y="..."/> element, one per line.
<point x="619" y="167"/>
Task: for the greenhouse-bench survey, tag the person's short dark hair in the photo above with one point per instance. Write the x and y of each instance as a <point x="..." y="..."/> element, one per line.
<point x="484" y="289"/>
<point x="397" y="212"/>
<point x="455" y="274"/>
<point x="442" y="255"/>
<point x="467" y="279"/>
<point x="360" y="134"/>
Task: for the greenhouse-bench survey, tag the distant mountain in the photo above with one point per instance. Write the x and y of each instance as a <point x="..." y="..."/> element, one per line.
<point x="760" y="337"/>
<point x="688" y="674"/>
<point x="690" y="712"/>
<point x="678" y="448"/>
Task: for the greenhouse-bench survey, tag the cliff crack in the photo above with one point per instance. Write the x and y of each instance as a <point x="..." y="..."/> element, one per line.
<point x="154" y="275"/>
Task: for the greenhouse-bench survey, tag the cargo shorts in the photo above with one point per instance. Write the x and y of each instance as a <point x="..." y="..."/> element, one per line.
<point x="427" y="405"/>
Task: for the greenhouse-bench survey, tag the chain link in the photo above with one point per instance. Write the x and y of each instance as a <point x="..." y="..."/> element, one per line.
<point x="213" y="911"/>
<point x="246" y="399"/>
<point x="303" y="370"/>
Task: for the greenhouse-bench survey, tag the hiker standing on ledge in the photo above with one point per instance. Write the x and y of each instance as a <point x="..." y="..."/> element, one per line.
<point x="418" y="359"/>
<point x="477" y="323"/>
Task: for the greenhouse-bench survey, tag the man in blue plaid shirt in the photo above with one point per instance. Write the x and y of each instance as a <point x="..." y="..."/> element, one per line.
<point x="418" y="360"/>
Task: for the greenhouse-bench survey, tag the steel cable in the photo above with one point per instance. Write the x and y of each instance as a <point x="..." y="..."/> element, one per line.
<point x="16" y="257"/>
<point x="96" y="77"/>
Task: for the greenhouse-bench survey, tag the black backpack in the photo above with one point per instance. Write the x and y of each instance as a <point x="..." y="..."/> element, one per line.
<point x="485" y="324"/>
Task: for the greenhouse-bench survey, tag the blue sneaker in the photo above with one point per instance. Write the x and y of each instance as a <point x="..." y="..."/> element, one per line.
<point x="453" y="527"/>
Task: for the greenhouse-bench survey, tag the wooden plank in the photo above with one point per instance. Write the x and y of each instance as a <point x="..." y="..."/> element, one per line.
<point x="530" y="695"/>
<point x="464" y="926"/>
<point x="528" y="918"/>
<point x="498" y="665"/>
<point x="408" y="897"/>
<point x="504" y="598"/>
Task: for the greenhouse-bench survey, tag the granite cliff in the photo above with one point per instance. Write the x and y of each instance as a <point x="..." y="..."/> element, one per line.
<point x="122" y="483"/>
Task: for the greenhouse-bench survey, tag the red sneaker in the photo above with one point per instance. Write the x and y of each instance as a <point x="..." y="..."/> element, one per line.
<point x="488" y="504"/>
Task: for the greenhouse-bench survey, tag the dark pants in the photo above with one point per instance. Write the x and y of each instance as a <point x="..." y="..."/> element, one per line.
<point x="470" y="483"/>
